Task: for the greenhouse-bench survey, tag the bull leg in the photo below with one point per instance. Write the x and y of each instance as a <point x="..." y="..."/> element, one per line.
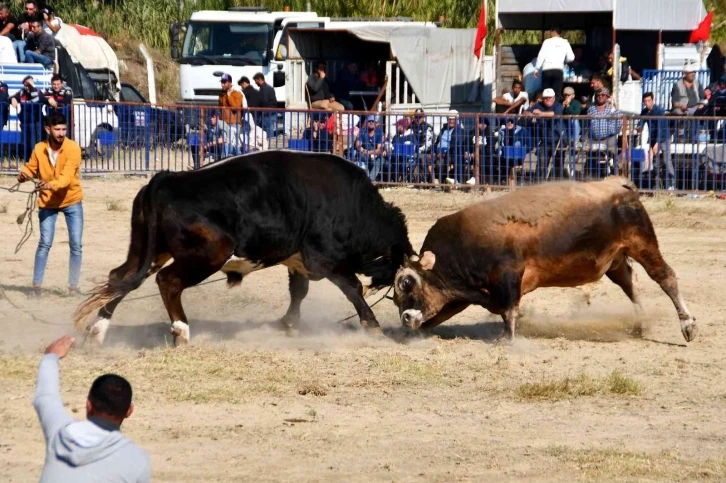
<point x="510" y="317"/>
<point x="651" y="259"/>
<point x="98" y="328"/>
<point x="352" y="288"/>
<point x="509" y="291"/>
<point x="172" y="281"/>
<point x="449" y="310"/>
<point x="624" y="277"/>
<point x="299" y="285"/>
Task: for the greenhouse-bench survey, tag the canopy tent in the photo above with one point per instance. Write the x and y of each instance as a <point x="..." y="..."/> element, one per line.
<point x="439" y="64"/>
<point x="649" y="15"/>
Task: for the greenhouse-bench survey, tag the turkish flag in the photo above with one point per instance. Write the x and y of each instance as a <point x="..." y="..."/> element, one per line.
<point x="481" y="29"/>
<point x="703" y="31"/>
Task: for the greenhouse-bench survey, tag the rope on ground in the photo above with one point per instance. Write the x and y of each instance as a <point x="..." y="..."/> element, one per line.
<point x="17" y="307"/>
<point x="26" y="216"/>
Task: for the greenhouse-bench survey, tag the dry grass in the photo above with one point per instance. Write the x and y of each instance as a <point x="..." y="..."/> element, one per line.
<point x="3" y="208"/>
<point x="116" y="205"/>
<point x="615" y="465"/>
<point x="614" y="383"/>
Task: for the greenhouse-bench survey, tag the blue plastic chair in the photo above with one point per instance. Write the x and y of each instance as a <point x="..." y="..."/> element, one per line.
<point x="298" y="145"/>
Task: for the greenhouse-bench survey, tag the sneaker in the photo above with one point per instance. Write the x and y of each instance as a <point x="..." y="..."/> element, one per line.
<point x="450" y="180"/>
<point x="671" y="188"/>
<point x="34" y="293"/>
<point x="74" y="291"/>
<point x="471" y="181"/>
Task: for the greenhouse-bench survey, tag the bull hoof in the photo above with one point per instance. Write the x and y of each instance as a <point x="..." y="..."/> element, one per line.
<point x="504" y="340"/>
<point x="180" y="332"/>
<point x="689" y="331"/>
<point x="374" y="330"/>
<point x="97" y="331"/>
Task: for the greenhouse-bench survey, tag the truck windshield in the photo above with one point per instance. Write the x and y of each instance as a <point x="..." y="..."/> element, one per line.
<point x="218" y="42"/>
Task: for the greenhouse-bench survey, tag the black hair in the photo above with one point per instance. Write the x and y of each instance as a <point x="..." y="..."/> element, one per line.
<point x="259" y="75"/>
<point x="55" y="118"/>
<point x="111" y="394"/>
<point x="648" y="94"/>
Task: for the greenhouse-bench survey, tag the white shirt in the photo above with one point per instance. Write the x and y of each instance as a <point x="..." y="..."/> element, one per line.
<point x="554" y="54"/>
<point x="7" y="54"/>
<point x="53" y="156"/>
<point x="509" y="98"/>
<point x="56" y="21"/>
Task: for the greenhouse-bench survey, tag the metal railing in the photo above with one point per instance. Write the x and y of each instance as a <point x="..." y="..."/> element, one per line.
<point x="682" y="153"/>
<point x="660" y="83"/>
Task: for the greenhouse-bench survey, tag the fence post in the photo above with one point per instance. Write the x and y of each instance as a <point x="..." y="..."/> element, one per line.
<point x="147" y="139"/>
<point x="477" y="160"/>
<point x="624" y="145"/>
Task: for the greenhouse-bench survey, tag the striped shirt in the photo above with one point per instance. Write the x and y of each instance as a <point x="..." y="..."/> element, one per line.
<point x="604" y="128"/>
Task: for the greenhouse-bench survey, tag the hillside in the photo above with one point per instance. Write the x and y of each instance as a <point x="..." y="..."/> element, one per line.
<point x="126" y="23"/>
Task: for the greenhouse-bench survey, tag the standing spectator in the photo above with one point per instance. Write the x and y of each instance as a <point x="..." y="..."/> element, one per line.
<point x="56" y="162"/>
<point x="30" y="15"/>
<point x="51" y="23"/>
<point x="532" y="83"/>
<point x="59" y="98"/>
<point x="605" y="131"/>
<point x="319" y="91"/>
<point x="571" y="107"/>
<point x="268" y="100"/>
<point x="231" y="102"/>
<point x="30" y="100"/>
<point x="687" y="92"/>
<point x="91" y="450"/>
<point x="9" y="26"/>
<point x="423" y="135"/>
<point x="347" y="81"/>
<point x="715" y="62"/>
<point x="658" y="138"/>
<point x="252" y="96"/>
<point x="40" y="47"/>
<point x="4" y="108"/>
<point x="551" y="60"/>
<point x="548" y="131"/>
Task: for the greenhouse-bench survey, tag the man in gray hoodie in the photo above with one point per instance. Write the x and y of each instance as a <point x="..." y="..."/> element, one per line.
<point x="93" y="450"/>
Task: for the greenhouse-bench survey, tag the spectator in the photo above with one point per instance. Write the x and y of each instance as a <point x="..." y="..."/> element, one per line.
<point x="479" y="138"/>
<point x="715" y="62"/>
<point x="40" y="46"/>
<point x="51" y="23"/>
<point x="251" y="95"/>
<point x="551" y="60"/>
<point x="571" y="107"/>
<point x="58" y="98"/>
<point x="369" y="148"/>
<point x="231" y="103"/>
<point x="319" y="91"/>
<point x="510" y="135"/>
<point x="346" y="82"/>
<point x="605" y="131"/>
<point x="94" y="449"/>
<point x="4" y="107"/>
<point x="30" y="100"/>
<point x="532" y="82"/>
<point x="403" y="165"/>
<point x="369" y="77"/>
<point x="548" y="130"/>
<point x="516" y="101"/>
<point x="596" y="83"/>
<point x="501" y="104"/>
<point x="579" y="68"/>
<point x="268" y="100"/>
<point x="30" y="15"/>
<point x="56" y="162"/>
<point x="626" y="72"/>
<point x="217" y="137"/>
<point x="316" y="134"/>
<point x="658" y="138"/>
<point x="9" y="26"/>
<point x="687" y="92"/>
<point x="449" y="149"/>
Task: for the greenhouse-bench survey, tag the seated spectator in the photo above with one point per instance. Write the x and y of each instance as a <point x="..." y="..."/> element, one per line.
<point x="449" y="153"/>
<point x="604" y="131"/>
<point x="90" y="450"/>
<point x="369" y="149"/>
<point x="548" y="131"/>
<point x="347" y="81"/>
<point x="658" y="139"/>
<point x="596" y="83"/>
<point x="319" y="91"/>
<point x="9" y="26"/>
<point x="30" y="15"/>
<point x="687" y="92"/>
<point x="516" y="101"/>
<point x="403" y="166"/>
<point x="317" y="134"/>
<point x="51" y="23"/>
<point x="40" y="47"/>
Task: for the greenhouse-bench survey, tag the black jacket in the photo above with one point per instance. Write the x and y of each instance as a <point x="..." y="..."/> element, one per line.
<point x="267" y="96"/>
<point x="252" y="96"/>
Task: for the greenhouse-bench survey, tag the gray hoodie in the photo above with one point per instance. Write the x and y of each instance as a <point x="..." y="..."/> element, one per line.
<point x="82" y="451"/>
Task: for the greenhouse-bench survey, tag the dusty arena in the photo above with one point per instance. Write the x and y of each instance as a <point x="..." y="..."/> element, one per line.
<point x="578" y="397"/>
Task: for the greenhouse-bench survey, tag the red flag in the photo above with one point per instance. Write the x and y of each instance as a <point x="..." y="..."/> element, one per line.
<point x="703" y="31"/>
<point x="481" y="29"/>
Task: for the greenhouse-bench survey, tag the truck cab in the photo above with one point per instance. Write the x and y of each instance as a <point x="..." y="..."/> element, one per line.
<point x="241" y="41"/>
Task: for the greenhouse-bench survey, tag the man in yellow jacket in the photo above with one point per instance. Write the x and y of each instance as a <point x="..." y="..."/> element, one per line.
<point x="56" y="162"/>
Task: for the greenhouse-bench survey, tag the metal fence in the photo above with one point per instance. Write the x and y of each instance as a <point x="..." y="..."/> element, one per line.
<point x="682" y="153"/>
<point x="660" y="83"/>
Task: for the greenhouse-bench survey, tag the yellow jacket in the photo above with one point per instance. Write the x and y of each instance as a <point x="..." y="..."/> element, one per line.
<point x="64" y="180"/>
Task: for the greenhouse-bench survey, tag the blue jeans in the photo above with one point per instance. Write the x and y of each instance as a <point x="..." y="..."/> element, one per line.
<point x="36" y="58"/>
<point x="19" y="47"/>
<point x="74" y="222"/>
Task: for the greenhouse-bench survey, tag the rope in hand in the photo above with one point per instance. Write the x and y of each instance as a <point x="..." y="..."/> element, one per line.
<point x="26" y="216"/>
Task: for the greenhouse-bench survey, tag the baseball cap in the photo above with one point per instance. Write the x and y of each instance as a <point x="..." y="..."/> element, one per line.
<point x="569" y="91"/>
<point x="548" y="92"/>
<point x="371" y="118"/>
<point x="690" y="67"/>
<point x="226" y="78"/>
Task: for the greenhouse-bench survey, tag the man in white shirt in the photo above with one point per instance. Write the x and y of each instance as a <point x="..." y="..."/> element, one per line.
<point x="7" y="53"/>
<point x="553" y="55"/>
<point x="514" y="102"/>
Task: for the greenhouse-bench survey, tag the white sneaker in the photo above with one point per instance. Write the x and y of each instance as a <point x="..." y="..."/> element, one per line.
<point x="471" y="181"/>
<point x="450" y="180"/>
<point x="671" y="188"/>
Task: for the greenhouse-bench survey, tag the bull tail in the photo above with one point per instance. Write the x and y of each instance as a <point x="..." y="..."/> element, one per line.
<point x="142" y="251"/>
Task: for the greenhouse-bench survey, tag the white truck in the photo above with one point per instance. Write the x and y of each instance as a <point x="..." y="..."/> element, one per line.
<point x="241" y="41"/>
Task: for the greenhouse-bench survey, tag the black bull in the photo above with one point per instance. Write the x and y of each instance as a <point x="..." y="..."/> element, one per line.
<point x="317" y="214"/>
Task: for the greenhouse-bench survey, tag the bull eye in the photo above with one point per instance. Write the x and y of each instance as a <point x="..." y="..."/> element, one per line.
<point x="407" y="283"/>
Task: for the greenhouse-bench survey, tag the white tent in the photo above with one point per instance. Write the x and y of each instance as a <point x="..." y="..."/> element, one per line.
<point x="89" y="49"/>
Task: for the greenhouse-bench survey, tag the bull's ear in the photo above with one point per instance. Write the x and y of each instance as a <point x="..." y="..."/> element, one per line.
<point x="405" y="260"/>
<point x="428" y="259"/>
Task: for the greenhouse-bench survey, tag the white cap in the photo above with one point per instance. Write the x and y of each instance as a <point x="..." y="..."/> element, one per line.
<point x="548" y="93"/>
<point x="690" y="67"/>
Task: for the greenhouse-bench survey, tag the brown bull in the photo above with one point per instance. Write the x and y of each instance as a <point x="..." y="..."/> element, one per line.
<point x="562" y="234"/>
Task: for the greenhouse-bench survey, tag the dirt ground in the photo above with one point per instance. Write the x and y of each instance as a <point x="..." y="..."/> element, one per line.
<point x="576" y="398"/>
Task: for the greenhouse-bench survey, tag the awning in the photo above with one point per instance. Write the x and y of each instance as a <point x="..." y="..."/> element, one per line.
<point x="439" y="64"/>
